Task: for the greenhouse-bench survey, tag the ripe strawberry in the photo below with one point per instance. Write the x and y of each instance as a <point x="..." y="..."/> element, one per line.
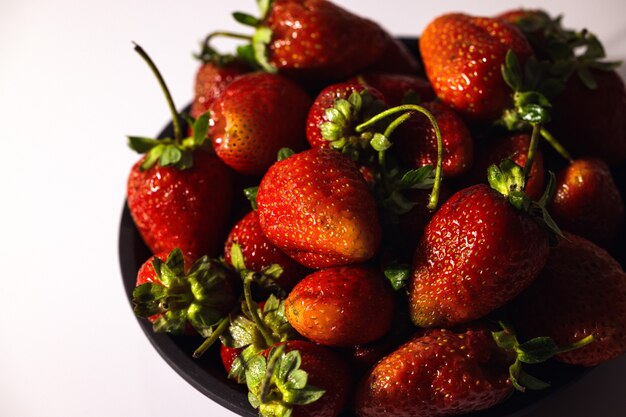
<point x="399" y="89"/>
<point x="342" y="306"/>
<point x="515" y="148"/>
<point x="259" y="252"/>
<point x="477" y="253"/>
<point x="316" y="40"/>
<point x="438" y="373"/>
<point x="417" y="143"/>
<point x="306" y="380"/>
<point x="228" y="355"/>
<point x="396" y="58"/>
<point x="256" y="116"/>
<point x="588" y="203"/>
<point x="463" y="56"/>
<point x="179" y="195"/>
<point x="164" y="293"/>
<point x="580" y="292"/>
<point x="317" y="208"/>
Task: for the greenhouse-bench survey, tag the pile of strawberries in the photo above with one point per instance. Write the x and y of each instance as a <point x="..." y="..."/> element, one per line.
<point x="363" y="230"/>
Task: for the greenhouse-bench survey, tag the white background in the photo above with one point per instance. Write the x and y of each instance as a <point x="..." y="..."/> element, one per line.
<point x="71" y="88"/>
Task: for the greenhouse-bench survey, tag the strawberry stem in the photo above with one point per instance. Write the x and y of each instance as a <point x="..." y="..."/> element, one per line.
<point x="576" y="345"/>
<point x="252" y="308"/>
<point x="556" y="144"/>
<point x="178" y="133"/>
<point x="434" y="196"/>
<point x="206" y="44"/>
<point x="532" y="150"/>
<point x="208" y="342"/>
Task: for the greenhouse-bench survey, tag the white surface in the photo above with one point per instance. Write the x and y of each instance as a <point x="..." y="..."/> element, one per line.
<point x="71" y="88"/>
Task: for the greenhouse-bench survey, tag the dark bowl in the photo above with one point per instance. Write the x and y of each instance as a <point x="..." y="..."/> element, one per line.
<point x="207" y="374"/>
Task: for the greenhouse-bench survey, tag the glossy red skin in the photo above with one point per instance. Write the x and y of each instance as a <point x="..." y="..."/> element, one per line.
<point x="326" y="100"/>
<point x="328" y="371"/>
<point x="228" y="356"/>
<point x="463" y="56"/>
<point x="477" y="253"/>
<point x="396" y="58"/>
<point x="417" y="143"/>
<point x="342" y="306"/>
<point x="588" y="203"/>
<point x="256" y="116"/>
<point x="581" y="291"/>
<point x="437" y="373"/>
<point x="187" y="209"/>
<point x="318" y="40"/>
<point x="211" y="80"/>
<point x="514" y="147"/>
<point x="395" y="87"/>
<point x="259" y="252"/>
<point x="592" y="122"/>
<point x="318" y="209"/>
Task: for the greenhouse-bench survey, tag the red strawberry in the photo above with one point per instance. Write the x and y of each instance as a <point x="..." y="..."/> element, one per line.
<point x="399" y="88"/>
<point x="437" y="373"/>
<point x="463" y="56"/>
<point x="342" y="306"/>
<point x="228" y="356"/>
<point x="396" y="58"/>
<point x="256" y="116"/>
<point x="317" y="208"/>
<point x="316" y="39"/>
<point x="588" y="203"/>
<point x="477" y="253"/>
<point x="417" y="143"/>
<point x="307" y="381"/>
<point x="580" y="292"/>
<point x="164" y="296"/>
<point x="179" y="195"/>
<point x="259" y="252"/>
<point x="515" y="148"/>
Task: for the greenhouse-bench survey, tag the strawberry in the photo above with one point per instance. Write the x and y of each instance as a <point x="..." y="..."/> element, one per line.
<point x="256" y="116"/>
<point x="317" y="208"/>
<point x="588" y="203"/>
<point x="179" y="195"/>
<point x="478" y="252"/>
<point x="314" y="40"/>
<point x="438" y="373"/>
<point x="341" y="306"/>
<point x="417" y="143"/>
<point x="463" y="56"/>
<point x="259" y="252"/>
<point x="300" y="379"/>
<point x="164" y="293"/>
<point x="580" y="292"/>
<point x="399" y="88"/>
<point x="396" y="58"/>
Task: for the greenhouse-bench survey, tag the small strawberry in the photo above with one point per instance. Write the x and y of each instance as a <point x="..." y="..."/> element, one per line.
<point x="256" y="116"/>
<point x="463" y="56"/>
<point x="417" y="143"/>
<point x="317" y="208"/>
<point x="478" y="252"/>
<point x="588" y="203"/>
<point x="177" y="295"/>
<point x="258" y="252"/>
<point x="179" y="195"/>
<point x="580" y="292"/>
<point x="298" y="379"/>
<point x="399" y="89"/>
<point x="342" y="306"/>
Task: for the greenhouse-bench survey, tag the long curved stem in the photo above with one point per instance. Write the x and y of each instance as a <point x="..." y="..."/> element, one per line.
<point x="532" y="150"/>
<point x="178" y="132"/>
<point x="224" y="34"/>
<point x="555" y="144"/>
<point x="252" y="309"/>
<point x="208" y="342"/>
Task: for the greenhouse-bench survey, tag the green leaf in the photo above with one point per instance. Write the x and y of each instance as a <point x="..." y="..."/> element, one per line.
<point x="253" y="400"/>
<point x="186" y="160"/>
<point x="260" y="40"/>
<point x="398" y="275"/>
<point x="147" y="299"/>
<point x="171" y="322"/>
<point x="289" y="363"/>
<point x="537" y="350"/>
<point x="246" y="19"/>
<point x="421" y="178"/>
<point x="255" y="371"/>
<point x="285" y="153"/>
<point x="514" y="372"/>
<point x="250" y="194"/>
<point x="356" y="101"/>
<point x="380" y="142"/>
<point x="594" y="50"/>
<point x="176" y="262"/>
<point x="152" y="157"/>
<point x="532" y="97"/>
<point x="331" y="131"/>
<point x="511" y="71"/>
<point x="141" y="144"/>
<point x="236" y="257"/>
<point x="297" y="379"/>
<point x="344" y="107"/>
<point x="203" y="318"/>
<point x="531" y="382"/>
<point x="170" y="156"/>
<point x="246" y="54"/>
<point x="335" y="116"/>
<point x="307" y="395"/>
<point x="587" y="78"/>
<point x="264" y="7"/>
<point x="201" y="129"/>
<point x="534" y="114"/>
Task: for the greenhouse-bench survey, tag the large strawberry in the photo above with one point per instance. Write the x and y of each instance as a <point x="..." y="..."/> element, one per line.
<point x="256" y="116"/>
<point x="478" y="252"/>
<point x="179" y="195"/>
<point x="317" y="208"/>
<point x="342" y="306"/>
<point x="588" y="203"/>
<point x="580" y="292"/>
<point x="463" y="56"/>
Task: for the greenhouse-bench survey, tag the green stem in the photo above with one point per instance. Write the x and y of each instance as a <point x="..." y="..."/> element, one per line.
<point x="532" y="150"/>
<point x="576" y="345"/>
<point x="208" y="342"/>
<point x="434" y="196"/>
<point x="266" y="383"/>
<point x="224" y="34"/>
<point x="178" y="132"/>
<point x="556" y="144"/>
<point x="252" y="308"/>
